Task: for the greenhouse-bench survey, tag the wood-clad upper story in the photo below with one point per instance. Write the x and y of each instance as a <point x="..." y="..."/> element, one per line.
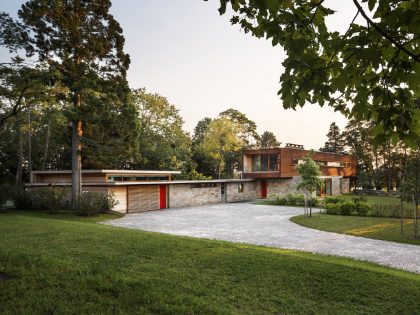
<point x="282" y="162"/>
<point x="101" y="176"/>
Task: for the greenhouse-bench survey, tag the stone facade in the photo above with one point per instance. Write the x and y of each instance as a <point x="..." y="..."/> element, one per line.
<point x="183" y="195"/>
<point x="336" y="185"/>
<point x="282" y="186"/>
<point x="345" y="185"/>
<point x="249" y="191"/>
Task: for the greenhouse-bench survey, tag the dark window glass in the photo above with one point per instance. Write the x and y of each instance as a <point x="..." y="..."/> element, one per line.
<point x="273" y="162"/>
<point x="256" y="163"/>
<point x="264" y="163"/>
<point x="240" y="188"/>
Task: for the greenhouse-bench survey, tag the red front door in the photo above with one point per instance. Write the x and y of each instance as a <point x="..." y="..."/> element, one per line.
<point x="264" y="189"/>
<point x="162" y="196"/>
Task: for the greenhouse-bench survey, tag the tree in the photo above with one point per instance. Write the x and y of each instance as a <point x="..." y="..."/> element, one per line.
<point x="309" y="172"/>
<point x="84" y="44"/>
<point x="221" y="140"/>
<point x="268" y="140"/>
<point x="204" y="164"/>
<point x="370" y="72"/>
<point x="335" y="141"/>
<point x="410" y="187"/>
<point x="247" y="130"/>
<point x="162" y="144"/>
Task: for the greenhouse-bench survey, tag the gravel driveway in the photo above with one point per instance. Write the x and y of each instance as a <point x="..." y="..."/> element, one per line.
<point x="269" y="226"/>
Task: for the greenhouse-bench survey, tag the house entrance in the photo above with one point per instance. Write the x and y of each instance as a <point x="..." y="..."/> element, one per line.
<point x="264" y="189"/>
<point x="326" y="189"/>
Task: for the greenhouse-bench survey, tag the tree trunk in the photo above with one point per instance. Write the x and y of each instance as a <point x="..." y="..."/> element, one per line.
<point x="47" y="143"/>
<point x="18" y="180"/>
<point x="29" y="144"/>
<point x="416" y="222"/>
<point x="402" y="216"/>
<point x="76" y="158"/>
<point x="310" y="205"/>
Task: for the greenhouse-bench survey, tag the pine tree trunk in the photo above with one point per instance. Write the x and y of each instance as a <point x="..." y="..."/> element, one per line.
<point x="402" y="216"/>
<point x="47" y="143"/>
<point x="18" y="180"/>
<point x="416" y="223"/>
<point x="29" y="144"/>
<point x="76" y="158"/>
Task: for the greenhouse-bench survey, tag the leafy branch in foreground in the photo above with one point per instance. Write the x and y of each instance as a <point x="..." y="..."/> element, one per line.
<point x="371" y="72"/>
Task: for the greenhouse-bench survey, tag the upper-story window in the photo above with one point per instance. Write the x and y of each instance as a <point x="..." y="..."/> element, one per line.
<point x="264" y="162"/>
<point x="325" y="163"/>
<point x="130" y="178"/>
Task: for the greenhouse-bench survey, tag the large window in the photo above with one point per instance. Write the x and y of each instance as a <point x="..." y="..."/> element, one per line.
<point x="130" y="178"/>
<point x="264" y="162"/>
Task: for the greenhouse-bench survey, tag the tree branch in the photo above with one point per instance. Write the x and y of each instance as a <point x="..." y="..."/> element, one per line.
<point x="385" y="34"/>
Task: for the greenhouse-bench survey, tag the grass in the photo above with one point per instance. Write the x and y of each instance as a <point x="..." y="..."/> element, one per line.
<point x="64" y="264"/>
<point x="387" y="229"/>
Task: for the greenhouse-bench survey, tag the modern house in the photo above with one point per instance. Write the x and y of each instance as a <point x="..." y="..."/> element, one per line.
<point x="265" y="172"/>
<point x="137" y="190"/>
<point x="275" y="169"/>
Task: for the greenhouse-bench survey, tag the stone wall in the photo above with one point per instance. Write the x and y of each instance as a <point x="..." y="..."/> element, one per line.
<point x="249" y="191"/>
<point x="183" y="195"/>
<point x="282" y="186"/>
<point x="345" y="185"/>
<point x="336" y="185"/>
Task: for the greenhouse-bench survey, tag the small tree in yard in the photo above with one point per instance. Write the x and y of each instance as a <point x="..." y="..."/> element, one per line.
<point x="309" y="172"/>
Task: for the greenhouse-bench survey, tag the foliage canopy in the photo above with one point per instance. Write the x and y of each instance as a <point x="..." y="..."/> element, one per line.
<point x="370" y="72"/>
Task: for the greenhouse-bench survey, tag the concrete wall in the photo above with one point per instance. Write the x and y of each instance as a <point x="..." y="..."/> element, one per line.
<point x="183" y="195"/>
<point x="249" y="191"/>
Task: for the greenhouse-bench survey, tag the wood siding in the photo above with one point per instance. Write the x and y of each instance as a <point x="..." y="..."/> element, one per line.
<point x="143" y="198"/>
<point x="120" y="195"/>
<point x="286" y="169"/>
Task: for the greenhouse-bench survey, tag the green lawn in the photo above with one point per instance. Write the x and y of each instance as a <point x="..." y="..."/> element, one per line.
<point x="387" y="229"/>
<point x="64" y="264"/>
<point x="385" y="200"/>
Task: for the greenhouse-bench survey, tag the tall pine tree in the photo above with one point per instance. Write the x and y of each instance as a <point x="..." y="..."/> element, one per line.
<point x="335" y="141"/>
<point x="83" y="41"/>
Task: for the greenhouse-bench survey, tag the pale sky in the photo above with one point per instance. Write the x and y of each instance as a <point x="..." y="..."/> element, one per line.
<point x="185" y="51"/>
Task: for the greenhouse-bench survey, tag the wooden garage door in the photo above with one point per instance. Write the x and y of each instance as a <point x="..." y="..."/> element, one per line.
<point x="143" y="198"/>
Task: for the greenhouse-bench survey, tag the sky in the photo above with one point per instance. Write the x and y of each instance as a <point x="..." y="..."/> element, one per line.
<point x="184" y="50"/>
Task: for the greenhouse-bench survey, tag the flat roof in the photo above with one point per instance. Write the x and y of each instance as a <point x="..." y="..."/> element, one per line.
<point x="122" y="172"/>
<point x="174" y="182"/>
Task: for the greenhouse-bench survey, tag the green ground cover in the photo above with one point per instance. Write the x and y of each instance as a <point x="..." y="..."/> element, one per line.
<point x="64" y="264"/>
<point x="387" y="229"/>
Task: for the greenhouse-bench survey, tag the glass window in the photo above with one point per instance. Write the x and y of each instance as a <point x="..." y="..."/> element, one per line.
<point x="264" y="163"/>
<point x="240" y="188"/>
<point x="273" y="162"/>
<point x="256" y="163"/>
<point x="335" y="164"/>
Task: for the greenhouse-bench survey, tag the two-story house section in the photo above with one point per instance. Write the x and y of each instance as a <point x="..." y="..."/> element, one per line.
<point x="275" y="169"/>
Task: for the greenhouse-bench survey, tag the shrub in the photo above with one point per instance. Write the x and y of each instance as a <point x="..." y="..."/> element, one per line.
<point x="387" y="210"/>
<point x="347" y="207"/>
<point x="281" y="200"/>
<point x="93" y="203"/>
<point x="51" y="198"/>
<point x="22" y="199"/>
<point x="295" y="199"/>
<point x="7" y="194"/>
<point x="332" y="208"/>
<point x="335" y="200"/>
<point x="315" y="202"/>
<point x="362" y="208"/>
<point x="360" y="198"/>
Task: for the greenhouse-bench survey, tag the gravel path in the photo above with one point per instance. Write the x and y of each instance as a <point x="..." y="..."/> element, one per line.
<point x="270" y="226"/>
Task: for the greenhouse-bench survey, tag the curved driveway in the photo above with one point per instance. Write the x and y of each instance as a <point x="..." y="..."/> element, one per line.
<point x="270" y="226"/>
